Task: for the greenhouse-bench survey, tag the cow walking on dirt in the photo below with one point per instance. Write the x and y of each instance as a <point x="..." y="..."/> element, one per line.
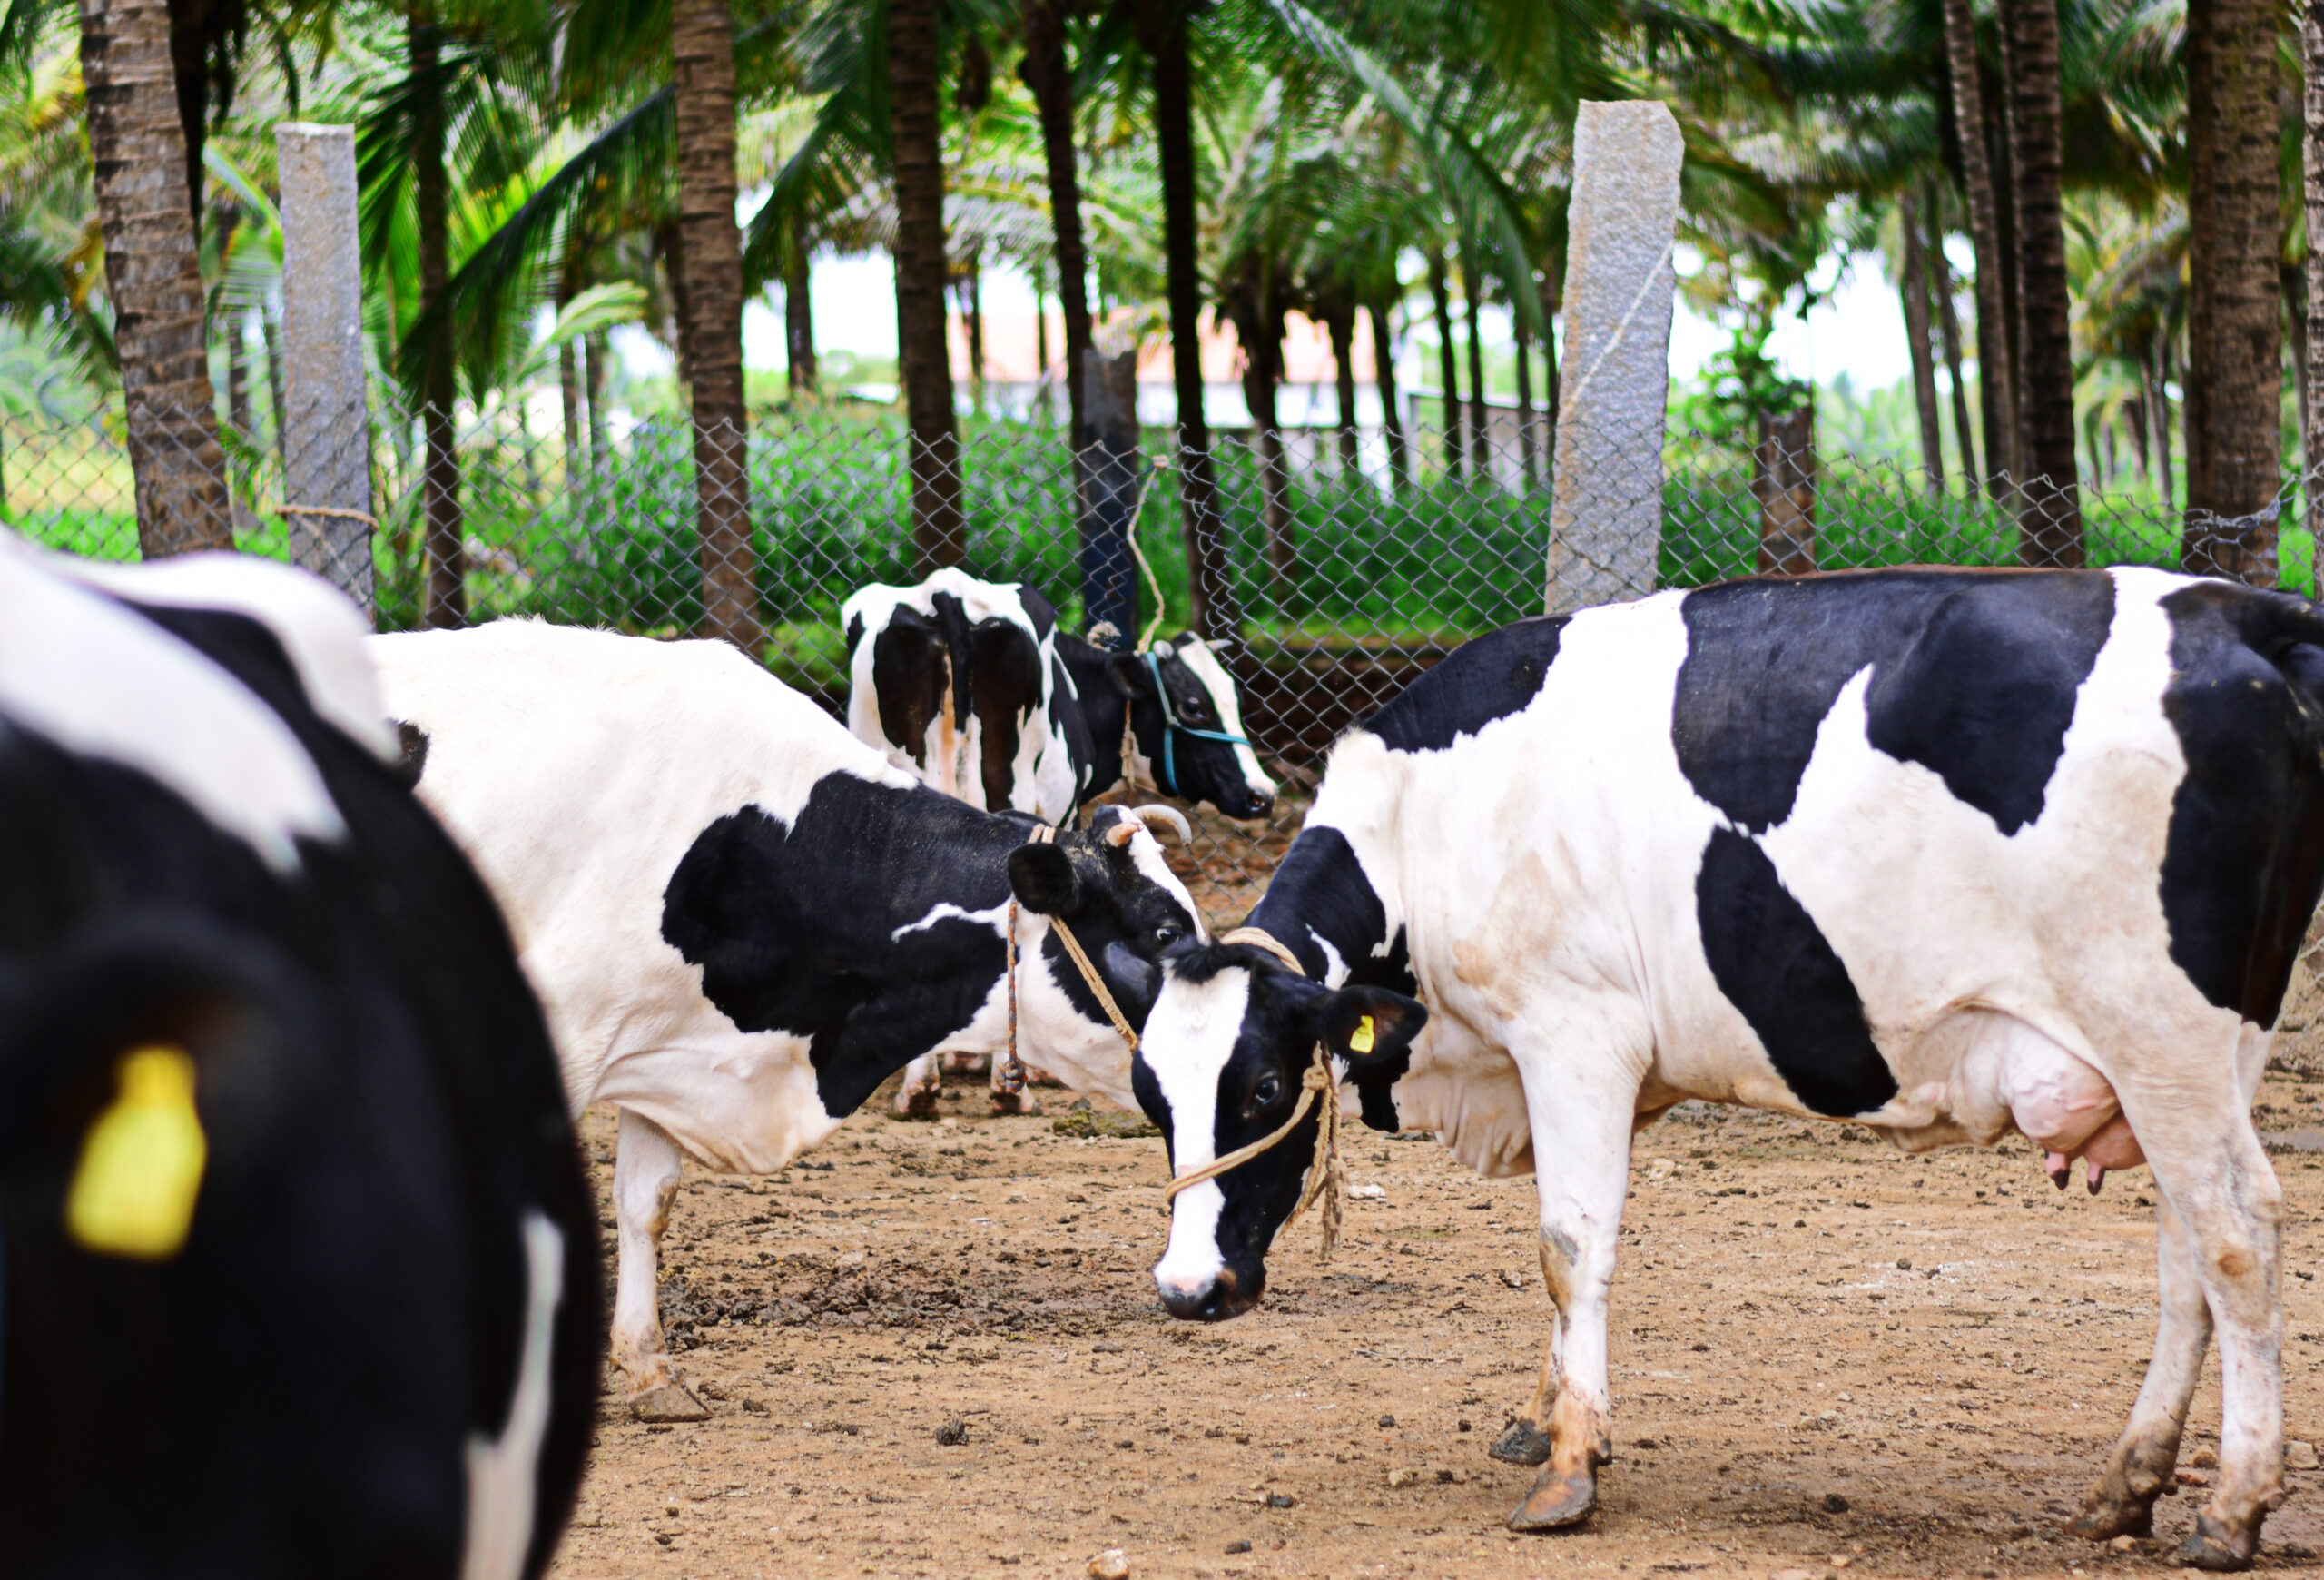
<point x="1943" y="854"/>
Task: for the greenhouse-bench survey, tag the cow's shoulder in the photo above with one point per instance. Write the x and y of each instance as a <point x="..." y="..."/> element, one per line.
<point x="1492" y="678"/>
<point x="1974" y="675"/>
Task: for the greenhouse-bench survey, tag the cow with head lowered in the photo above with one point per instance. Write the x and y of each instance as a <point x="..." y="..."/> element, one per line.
<point x="300" y="1267"/>
<point x="1945" y="853"/>
<point x="741" y="920"/>
<point x="970" y="686"/>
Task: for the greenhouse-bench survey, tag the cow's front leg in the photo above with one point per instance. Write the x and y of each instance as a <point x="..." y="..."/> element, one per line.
<point x="1581" y="1151"/>
<point x="646" y="1181"/>
<point x="923" y="1083"/>
<point x="2123" y="1502"/>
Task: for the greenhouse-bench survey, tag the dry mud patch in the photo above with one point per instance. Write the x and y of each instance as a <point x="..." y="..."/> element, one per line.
<point x="1821" y="1351"/>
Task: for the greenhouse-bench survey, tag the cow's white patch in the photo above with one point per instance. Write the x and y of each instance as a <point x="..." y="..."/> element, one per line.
<point x="97" y="679"/>
<point x="944" y="910"/>
<point x="1196" y="654"/>
<point x="1334" y="968"/>
<point x="320" y="631"/>
<point x="503" y="1471"/>
<point x="1145" y="855"/>
<point x="1199" y="1022"/>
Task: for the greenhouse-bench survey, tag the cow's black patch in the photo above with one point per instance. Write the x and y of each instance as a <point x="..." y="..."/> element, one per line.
<point x="909" y="679"/>
<point x="1775" y="965"/>
<point x="2244" y="859"/>
<point x="1006" y="667"/>
<point x="1492" y="678"/>
<point x="411" y="753"/>
<point x="815" y="928"/>
<point x="1975" y="677"/>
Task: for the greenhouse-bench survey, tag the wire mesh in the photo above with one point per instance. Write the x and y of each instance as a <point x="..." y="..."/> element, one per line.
<point x="1340" y="566"/>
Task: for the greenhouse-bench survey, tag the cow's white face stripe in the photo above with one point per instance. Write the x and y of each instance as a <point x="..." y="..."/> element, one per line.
<point x="503" y="1474"/>
<point x="1196" y="656"/>
<point x="98" y="679"/>
<point x="1145" y="855"/>
<point x="1191" y="1036"/>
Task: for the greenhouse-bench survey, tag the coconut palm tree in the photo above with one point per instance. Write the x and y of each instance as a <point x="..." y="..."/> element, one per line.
<point x="137" y="147"/>
<point x="2049" y="499"/>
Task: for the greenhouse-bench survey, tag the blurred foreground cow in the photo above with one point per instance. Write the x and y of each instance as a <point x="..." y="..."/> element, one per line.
<point x="741" y="920"/>
<point x="298" y="1262"/>
<point x="1943" y="854"/>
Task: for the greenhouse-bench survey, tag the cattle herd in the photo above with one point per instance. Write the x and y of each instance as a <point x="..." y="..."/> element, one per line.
<point x="313" y="943"/>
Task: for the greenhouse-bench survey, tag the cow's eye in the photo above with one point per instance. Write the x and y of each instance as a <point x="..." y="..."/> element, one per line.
<point x="1168" y="932"/>
<point x="1269" y="1088"/>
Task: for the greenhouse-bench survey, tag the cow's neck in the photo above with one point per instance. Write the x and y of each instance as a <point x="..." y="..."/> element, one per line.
<point x="1104" y="712"/>
<point x="1321" y="907"/>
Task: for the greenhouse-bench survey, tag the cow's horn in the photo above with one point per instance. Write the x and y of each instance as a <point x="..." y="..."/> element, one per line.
<point x="1154" y="813"/>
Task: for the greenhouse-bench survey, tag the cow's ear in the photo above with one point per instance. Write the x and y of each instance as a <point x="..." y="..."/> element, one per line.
<point x="1128" y="672"/>
<point x="1368" y="1025"/>
<point x="1042" y="878"/>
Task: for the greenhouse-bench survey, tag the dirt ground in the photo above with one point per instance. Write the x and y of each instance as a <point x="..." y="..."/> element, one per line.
<point x="1827" y="1358"/>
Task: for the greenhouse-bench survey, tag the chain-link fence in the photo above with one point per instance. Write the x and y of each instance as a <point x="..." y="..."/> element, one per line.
<point x="1336" y="565"/>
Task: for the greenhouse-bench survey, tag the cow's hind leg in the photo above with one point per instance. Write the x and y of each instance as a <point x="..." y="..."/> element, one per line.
<point x="923" y="1082"/>
<point x="1582" y="1219"/>
<point x="2208" y="1165"/>
<point x="646" y="1181"/>
<point x="2123" y="1502"/>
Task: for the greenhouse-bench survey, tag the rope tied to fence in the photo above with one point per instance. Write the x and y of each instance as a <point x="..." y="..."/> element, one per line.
<point x="1013" y="1069"/>
<point x="1326" y="1175"/>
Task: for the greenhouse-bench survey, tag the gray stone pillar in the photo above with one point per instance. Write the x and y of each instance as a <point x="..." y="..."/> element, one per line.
<point x="327" y="441"/>
<point x="1606" y="517"/>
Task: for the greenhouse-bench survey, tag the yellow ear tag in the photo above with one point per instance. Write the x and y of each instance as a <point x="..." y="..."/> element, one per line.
<point x="1362" y="1041"/>
<point x="133" y="1190"/>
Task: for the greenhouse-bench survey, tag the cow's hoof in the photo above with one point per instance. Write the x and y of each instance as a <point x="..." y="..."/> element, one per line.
<point x="668" y="1401"/>
<point x="2211" y="1546"/>
<point x="919" y="1105"/>
<point x="1023" y="1104"/>
<point x="1521" y="1445"/>
<point x="2103" y="1519"/>
<point x="1557" y="1502"/>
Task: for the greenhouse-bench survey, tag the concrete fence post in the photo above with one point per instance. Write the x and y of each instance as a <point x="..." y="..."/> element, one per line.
<point x="327" y="505"/>
<point x="1606" y="516"/>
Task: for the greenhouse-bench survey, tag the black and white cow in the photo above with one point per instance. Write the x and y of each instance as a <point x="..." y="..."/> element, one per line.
<point x="970" y="686"/>
<point x="298" y="1265"/>
<point x="1943" y="854"/>
<point x="741" y="920"/>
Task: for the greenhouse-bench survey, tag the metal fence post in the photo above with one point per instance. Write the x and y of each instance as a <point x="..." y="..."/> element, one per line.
<point x="1111" y="469"/>
<point x="1605" y="519"/>
<point x="326" y="507"/>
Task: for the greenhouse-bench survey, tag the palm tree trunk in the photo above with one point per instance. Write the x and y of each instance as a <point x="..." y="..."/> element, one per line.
<point x="445" y="603"/>
<point x="2049" y="516"/>
<point x="1162" y="27"/>
<point x="1447" y="363"/>
<point x="1995" y="379"/>
<point x="937" y="537"/>
<point x="1553" y="386"/>
<point x="1392" y="414"/>
<point x="799" y="312"/>
<point x="1480" y="414"/>
<point x="1046" y="74"/>
<point x="972" y="323"/>
<point x="1530" y="463"/>
<point x="1949" y="322"/>
<point x="2234" y="348"/>
<point x="137" y="144"/>
<point x="1340" y="321"/>
<point x="277" y="406"/>
<point x="1912" y="284"/>
<point x="2155" y="367"/>
<point x="2311" y="55"/>
<point x="568" y="395"/>
<point x="600" y="426"/>
<point x="702" y="43"/>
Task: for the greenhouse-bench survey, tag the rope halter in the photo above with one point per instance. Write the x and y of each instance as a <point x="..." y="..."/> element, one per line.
<point x="1171" y="730"/>
<point x="1326" y="1176"/>
<point x="1013" y="1069"/>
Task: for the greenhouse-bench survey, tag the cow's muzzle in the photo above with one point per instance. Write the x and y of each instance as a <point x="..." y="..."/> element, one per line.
<point x="1229" y="1294"/>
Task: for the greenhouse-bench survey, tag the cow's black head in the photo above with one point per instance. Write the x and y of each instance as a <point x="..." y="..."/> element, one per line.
<point x="1220" y="1064"/>
<point x="1187" y="716"/>
<point x="1109" y="883"/>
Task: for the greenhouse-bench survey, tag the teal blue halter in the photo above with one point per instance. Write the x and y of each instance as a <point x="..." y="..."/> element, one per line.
<point x="1172" y="730"/>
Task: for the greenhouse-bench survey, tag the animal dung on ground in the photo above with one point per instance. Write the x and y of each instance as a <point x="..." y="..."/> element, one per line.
<point x="952" y="1433"/>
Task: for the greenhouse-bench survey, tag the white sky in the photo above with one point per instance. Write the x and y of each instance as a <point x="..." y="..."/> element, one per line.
<point x="1858" y="330"/>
